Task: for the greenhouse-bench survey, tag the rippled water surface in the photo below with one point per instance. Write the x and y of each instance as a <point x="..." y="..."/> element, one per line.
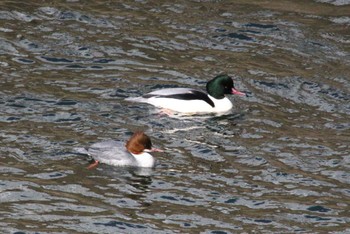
<point x="278" y="163"/>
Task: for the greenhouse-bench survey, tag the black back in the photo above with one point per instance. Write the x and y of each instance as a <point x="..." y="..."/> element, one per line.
<point x="191" y="95"/>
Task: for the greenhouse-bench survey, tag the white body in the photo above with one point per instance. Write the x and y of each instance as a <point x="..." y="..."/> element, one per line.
<point x="114" y="153"/>
<point x="182" y="105"/>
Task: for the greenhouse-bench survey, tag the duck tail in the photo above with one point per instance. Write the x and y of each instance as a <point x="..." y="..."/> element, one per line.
<point x="80" y="151"/>
<point x="135" y="99"/>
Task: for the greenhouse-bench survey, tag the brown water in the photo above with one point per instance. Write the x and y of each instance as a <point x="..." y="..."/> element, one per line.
<point x="279" y="163"/>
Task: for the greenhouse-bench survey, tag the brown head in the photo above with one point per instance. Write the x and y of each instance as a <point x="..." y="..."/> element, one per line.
<point x="138" y="143"/>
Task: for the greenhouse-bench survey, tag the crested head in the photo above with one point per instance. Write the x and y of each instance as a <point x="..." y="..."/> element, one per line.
<point x="219" y="86"/>
<point x="138" y="143"/>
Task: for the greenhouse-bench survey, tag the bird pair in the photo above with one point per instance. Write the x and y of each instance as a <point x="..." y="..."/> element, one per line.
<point x="137" y="150"/>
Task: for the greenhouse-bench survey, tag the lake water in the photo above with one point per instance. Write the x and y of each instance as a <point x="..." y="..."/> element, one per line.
<point x="278" y="163"/>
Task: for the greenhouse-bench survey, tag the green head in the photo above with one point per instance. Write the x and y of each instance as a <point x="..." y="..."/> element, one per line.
<point x="221" y="85"/>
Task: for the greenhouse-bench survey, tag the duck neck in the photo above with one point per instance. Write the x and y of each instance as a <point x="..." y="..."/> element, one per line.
<point x="214" y="90"/>
<point x="144" y="159"/>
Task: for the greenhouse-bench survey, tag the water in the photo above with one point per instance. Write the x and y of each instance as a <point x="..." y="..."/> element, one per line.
<point x="279" y="163"/>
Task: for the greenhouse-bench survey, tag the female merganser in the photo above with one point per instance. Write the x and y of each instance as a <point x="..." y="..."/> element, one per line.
<point x="191" y="101"/>
<point x="136" y="152"/>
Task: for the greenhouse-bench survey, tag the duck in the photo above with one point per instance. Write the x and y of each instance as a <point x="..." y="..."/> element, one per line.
<point x="192" y="101"/>
<point x="135" y="153"/>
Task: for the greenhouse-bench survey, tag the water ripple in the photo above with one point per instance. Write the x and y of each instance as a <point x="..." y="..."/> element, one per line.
<point x="277" y="163"/>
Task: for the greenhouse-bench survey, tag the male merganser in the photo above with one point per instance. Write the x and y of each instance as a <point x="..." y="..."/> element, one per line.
<point x="135" y="153"/>
<point x="191" y="101"/>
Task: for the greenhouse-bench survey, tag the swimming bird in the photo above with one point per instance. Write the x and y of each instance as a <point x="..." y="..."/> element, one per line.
<point x="192" y="101"/>
<point x="135" y="153"/>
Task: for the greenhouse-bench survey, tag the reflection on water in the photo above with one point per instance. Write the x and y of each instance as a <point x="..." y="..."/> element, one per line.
<point x="279" y="162"/>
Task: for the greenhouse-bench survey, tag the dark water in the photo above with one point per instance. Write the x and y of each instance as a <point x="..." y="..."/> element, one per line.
<point x="279" y="163"/>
